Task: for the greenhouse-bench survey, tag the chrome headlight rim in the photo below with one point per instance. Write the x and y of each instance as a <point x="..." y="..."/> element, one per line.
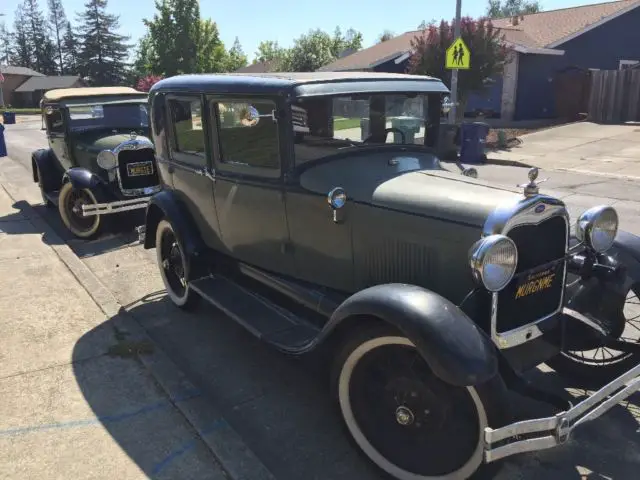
<point x="107" y="160"/>
<point x="480" y="254"/>
<point x="590" y="223"/>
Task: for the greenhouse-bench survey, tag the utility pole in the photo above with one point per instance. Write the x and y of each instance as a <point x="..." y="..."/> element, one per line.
<point x="454" y="73"/>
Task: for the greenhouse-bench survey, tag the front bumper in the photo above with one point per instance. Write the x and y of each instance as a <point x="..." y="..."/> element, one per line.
<point x="543" y="433"/>
<point x="115" y="207"/>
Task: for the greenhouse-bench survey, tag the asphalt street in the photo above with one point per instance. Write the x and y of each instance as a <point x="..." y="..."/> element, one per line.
<point x="280" y="405"/>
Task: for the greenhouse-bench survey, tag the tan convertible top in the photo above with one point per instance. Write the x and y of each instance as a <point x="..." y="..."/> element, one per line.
<point x="59" y="94"/>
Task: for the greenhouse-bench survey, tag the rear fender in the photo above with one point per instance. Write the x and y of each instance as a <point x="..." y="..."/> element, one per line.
<point x="166" y="204"/>
<point x="454" y="347"/>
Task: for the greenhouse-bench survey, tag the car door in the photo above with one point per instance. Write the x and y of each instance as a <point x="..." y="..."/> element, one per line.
<point x="249" y="193"/>
<point x="56" y="137"/>
<point x="190" y="163"/>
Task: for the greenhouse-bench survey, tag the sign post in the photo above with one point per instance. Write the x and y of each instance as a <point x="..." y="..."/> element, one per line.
<point x="458" y="57"/>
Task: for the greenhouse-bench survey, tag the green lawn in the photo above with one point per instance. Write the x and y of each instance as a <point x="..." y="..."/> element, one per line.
<point x="21" y="111"/>
<point x="341" y="123"/>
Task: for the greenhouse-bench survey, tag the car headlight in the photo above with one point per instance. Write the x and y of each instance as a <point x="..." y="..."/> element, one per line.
<point x="107" y="160"/>
<point x="597" y="227"/>
<point x="493" y="261"/>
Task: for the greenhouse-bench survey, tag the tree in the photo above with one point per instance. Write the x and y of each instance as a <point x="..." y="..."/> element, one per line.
<point x="386" y="35"/>
<point x="22" y="50"/>
<point x="270" y="51"/>
<point x="58" y="23"/>
<point x="317" y="49"/>
<point x="37" y="37"/>
<point x="144" y="84"/>
<point x="510" y="8"/>
<point x="6" y="46"/>
<point x="103" y="52"/>
<point x="173" y="35"/>
<point x="211" y="55"/>
<point x="488" y="54"/>
<point x="70" y="50"/>
<point x="236" y="58"/>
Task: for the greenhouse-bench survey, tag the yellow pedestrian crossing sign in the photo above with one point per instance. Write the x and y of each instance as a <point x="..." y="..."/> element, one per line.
<point x="458" y="56"/>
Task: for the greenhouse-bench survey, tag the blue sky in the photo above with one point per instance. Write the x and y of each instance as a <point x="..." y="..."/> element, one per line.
<point x="284" y="20"/>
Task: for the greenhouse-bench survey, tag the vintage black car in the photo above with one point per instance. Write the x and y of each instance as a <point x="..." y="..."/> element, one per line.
<point x="100" y="160"/>
<point x="312" y="209"/>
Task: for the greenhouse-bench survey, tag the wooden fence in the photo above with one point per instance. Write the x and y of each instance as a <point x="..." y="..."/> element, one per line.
<point x="615" y="96"/>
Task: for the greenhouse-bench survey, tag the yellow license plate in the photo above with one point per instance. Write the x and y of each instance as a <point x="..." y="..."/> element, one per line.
<point x="139" y="169"/>
<point x="538" y="281"/>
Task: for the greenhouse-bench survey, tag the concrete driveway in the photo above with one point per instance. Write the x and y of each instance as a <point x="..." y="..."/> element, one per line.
<point x="582" y="147"/>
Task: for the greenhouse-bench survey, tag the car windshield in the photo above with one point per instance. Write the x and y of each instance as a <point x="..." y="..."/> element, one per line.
<point x="323" y="125"/>
<point x="122" y="116"/>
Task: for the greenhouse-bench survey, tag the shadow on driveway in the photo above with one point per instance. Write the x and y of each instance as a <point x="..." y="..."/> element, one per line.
<point x="281" y="408"/>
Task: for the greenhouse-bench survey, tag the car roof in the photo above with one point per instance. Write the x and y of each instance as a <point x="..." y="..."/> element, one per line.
<point x="301" y="83"/>
<point x="60" y="94"/>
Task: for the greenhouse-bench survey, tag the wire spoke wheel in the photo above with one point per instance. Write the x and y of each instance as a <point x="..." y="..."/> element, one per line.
<point x="602" y="355"/>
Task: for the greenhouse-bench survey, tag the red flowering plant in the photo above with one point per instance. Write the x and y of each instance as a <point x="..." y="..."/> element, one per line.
<point x="144" y="84"/>
<point x="485" y="42"/>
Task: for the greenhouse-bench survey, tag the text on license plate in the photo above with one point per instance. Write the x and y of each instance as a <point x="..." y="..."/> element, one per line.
<point x="139" y="168"/>
<point x="537" y="282"/>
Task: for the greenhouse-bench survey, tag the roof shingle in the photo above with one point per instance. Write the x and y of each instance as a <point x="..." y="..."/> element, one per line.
<point x="27" y="72"/>
<point x="536" y="30"/>
<point x="48" y="83"/>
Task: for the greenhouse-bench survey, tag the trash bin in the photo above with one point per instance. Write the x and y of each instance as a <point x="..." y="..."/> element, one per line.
<point x="3" y="145"/>
<point x="473" y="141"/>
<point x="9" y="118"/>
<point x="447" y="149"/>
<point x="409" y="126"/>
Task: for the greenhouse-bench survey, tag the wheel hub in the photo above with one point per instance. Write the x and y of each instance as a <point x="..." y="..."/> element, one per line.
<point x="404" y="416"/>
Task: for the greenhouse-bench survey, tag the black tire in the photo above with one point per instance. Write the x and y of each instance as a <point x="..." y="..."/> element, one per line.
<point x="441" y="441"/>
<point x="174" y="267"/>
<point x="588" y="368"/>
<point x="70" y="200"/>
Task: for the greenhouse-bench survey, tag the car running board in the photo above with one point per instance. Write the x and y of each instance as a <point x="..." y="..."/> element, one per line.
<point x="264" y="319"/>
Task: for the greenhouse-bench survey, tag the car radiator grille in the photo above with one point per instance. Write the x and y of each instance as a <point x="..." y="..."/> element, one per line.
<point x="128" y="157"/>
<point x="532" y="296"/>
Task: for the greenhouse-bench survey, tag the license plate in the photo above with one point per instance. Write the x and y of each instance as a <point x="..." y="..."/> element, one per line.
<point x="139" y="169"/>
<point x="538" y="281"/>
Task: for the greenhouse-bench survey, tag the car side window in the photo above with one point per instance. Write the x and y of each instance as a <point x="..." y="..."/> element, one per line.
<point x="248" y="133"/>
<point x="55" y="122"/>
<point x="188" y="141"/>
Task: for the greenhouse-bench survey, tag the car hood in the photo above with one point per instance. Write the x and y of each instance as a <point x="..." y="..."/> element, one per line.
<point x="442" y="194"/>
<point x="95" y="142"/>
<point x="413" y="184"/>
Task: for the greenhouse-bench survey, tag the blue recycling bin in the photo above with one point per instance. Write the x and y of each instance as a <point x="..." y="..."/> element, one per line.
<point x="473" y="142"/>
<point x="3" y="145"/>
<point x="9" y="118"/>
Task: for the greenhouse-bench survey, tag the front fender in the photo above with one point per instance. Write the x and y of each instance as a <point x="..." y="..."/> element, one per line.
<point x="603" y="299"/>
<point x="454" y="347"/>
<point x="166" y="204"/>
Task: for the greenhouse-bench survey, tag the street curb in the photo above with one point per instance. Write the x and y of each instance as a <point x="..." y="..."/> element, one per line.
<point x="507" y="163"/>
<point x="226" y="445"/>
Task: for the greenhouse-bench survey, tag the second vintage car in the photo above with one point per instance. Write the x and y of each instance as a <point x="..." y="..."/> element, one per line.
<point x="312" y="208"/>
<point x="100" y="160"/>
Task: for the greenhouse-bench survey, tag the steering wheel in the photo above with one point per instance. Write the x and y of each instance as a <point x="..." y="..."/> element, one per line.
<point x="386" y="132"/>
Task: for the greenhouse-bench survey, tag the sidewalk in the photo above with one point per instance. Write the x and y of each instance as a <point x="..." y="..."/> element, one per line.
<point x="581" y="147"/>
<point x="84" y="393"/>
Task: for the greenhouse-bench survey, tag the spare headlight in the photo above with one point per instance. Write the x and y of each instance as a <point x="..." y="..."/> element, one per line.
<point x="493" y="261"/>
<point x="597" y="227"/>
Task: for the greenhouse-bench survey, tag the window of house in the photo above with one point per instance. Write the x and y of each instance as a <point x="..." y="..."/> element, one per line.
<point x="627" y="64"/>
<point x="248" y="133"/>
<point x="188" y="135"/>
